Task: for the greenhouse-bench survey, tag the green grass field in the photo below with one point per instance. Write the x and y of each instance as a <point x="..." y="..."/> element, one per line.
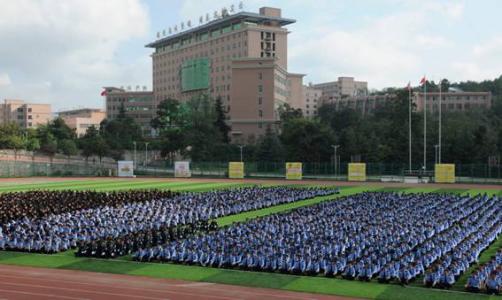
<point x="124" y="265"/>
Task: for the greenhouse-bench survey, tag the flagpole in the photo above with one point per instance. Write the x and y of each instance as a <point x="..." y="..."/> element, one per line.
<point x="425" y="124"/>
<point x="409" y="124"/>
<point x="440" y="116"/>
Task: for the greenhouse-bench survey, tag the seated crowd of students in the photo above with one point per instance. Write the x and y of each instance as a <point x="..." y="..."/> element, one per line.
<point x="62" y="231"/>
<point x="125" y="245"/>
<point x="388" y="236"/>
<point x="38" y="204"/>
<point x="488" y="277"/>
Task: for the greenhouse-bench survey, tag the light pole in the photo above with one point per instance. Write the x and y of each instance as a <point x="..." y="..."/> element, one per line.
<point x="440" y="117"/>
<point x="335" y="148"/>
<point x="146" y="153"/>
<point x="134" y="155"/>
<point x="241" y="147"/>
<point x="436" y="147"/>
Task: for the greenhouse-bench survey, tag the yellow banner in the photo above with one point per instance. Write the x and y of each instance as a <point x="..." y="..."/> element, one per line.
<point x="294" y="171"/>
<point x="444" y="173"/>
<point x="357" y="172"/>
<point x="236" y="170"/>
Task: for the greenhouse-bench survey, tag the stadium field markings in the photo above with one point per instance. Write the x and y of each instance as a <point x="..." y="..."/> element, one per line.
<point x="371" y="290"/>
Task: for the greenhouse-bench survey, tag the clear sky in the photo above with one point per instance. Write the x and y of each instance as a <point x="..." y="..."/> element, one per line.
<point x="62" y="52"/>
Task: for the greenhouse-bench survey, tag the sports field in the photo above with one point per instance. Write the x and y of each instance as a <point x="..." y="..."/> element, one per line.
<point x="321" y="285"/>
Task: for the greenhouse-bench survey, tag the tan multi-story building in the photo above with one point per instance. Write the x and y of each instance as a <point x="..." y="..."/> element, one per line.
<point x="26" y="115"/>
<point x="296" y="91"/>
<point x="364" y="104"/>
<point x="451" y="101"/>
<point x="242" y="58"/>
<point x="342" y="88"/>
<point x="311" y="101"/>
<point x="81" y="119"/>
<point x="454" y="101"/>
<point x="139" y="105"/>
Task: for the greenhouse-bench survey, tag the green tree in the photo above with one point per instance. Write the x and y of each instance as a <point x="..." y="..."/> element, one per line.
<point x="202" y="137"/>
<point x="170" y="114"/>
<point x="11" y="137"/>
<point x="269" y="147"/>
<point x="307" y="140"/>
<point x="120" y="133"/>
<point x="220" y="122"/>
<point x="88" y="142"/>
<point x="286" y="112"/>
<point x="31" y="141"/>
<point x="170" y="142"/>
<point x="48" y="142"/>
<point x="60" y="130"/>
<point x="68" y="147"/>
<point x="170" y="123"/>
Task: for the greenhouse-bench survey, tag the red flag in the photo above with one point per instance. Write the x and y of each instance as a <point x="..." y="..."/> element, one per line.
<point x="104" y="93"/>
<point x="423" y="81"/>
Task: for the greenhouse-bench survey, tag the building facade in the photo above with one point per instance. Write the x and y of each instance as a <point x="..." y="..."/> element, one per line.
<point x="311" y="101"/>
<point x="26" y="115"/>
<point x="242" y="58"/>
<point x="365" y="105"/>
<point x="342" y="88"/>
<point x="451" y="102"/>
<point x="81" y="119"/>
<point x="139" y="105"/>
<point x="454" y="101"/>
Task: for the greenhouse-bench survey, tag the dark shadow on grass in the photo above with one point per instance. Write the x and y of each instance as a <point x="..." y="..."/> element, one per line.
<point x="104" y="266"/>
<point x="253" y="279"/>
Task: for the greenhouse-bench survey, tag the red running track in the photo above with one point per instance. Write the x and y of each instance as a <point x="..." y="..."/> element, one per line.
<point x="18" y="283"/>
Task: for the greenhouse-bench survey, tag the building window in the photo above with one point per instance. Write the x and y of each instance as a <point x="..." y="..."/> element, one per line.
<point x="29" y="109"/>
<point x="260" y="88"/>
<point x="260" y="75"/>
<point x="260" y="113"/>
<point x="260" y="100"/>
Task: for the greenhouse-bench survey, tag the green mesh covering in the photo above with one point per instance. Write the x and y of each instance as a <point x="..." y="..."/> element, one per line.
<point x="195" y="74"/>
